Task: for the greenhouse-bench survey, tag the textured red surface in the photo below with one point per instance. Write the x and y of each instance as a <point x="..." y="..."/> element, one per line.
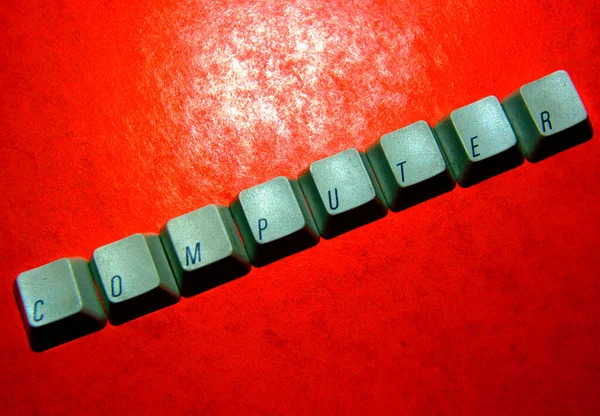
<point x="116" y="117"/>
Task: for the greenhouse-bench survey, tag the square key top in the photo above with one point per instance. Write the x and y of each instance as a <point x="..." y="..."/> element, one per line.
<point x="134" y="277"/>
<point x="204" y="249"/>
<point x="274" y="220"/>
<point x="410" y="166"/>
<point x="548" y="116"/>
<point x="58" y="303"/>
<point x="479" y="142"/>
<point x="342" y="193"/>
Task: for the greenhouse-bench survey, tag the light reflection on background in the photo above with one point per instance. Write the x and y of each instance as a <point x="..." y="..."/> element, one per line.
<point x="290" y="82"/>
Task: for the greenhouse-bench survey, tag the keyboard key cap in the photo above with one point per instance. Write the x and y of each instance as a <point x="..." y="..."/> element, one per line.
<point x="410" y="166"/>
<point x="342" y="193"/>
<point x="274" y="220"/>
<point x="134" y="277"/>
<point x="548" y="116"/>
<point x="58" y="303"/>
<point x="478" y="141"/>
<point x="204" y="249"/>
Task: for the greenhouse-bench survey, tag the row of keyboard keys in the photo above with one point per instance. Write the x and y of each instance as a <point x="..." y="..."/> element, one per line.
<point x="203" y="249"/>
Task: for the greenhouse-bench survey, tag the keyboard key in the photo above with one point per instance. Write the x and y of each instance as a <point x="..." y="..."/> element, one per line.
<point x="134" y="277"/>
<point x="410" y="166"/>
<point x="548" y="116"/>
<point x="342" y="193"/>
<point x="204" y="249"/>
<point x="478" y="141"/>
<point x="274" y="220"/>
<point x="58" y="303"/>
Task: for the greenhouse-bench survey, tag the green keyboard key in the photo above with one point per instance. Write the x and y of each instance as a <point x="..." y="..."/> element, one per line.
<point x="204" y="249"/>
<point x="548" y="116"/>
<point x="342" y="192"/>
<point x="134" y="277"/>
<point x="410" y="166"/>
<point x="274" y="220"/>
<point x="478" y="141"/>
<point x="58" y="303"/>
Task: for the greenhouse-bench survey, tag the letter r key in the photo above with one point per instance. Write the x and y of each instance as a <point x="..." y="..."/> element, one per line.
<point x="548" y="116"/>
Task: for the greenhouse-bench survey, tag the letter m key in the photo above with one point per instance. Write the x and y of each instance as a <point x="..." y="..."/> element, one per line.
<point x="192" y="257"/>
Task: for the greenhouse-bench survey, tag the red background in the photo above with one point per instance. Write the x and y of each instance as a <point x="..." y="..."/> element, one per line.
<point x="116" y="117"/>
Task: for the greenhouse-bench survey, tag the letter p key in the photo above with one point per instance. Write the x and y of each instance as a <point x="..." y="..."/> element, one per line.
<point x="274" y="220"/>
